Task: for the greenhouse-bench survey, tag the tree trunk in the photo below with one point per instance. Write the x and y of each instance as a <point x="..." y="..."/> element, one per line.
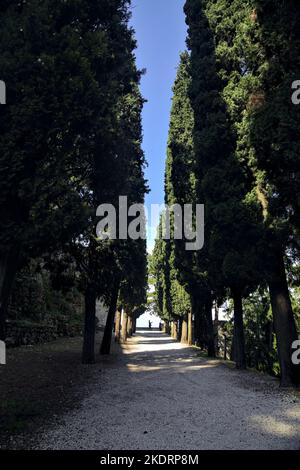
<point x="269" y="328"/>
<point x="190" y="329"/>
<point x="9" y="262"/>
<point x="284" y="324"/>
<point x="172" y="329"/>
<point x="174" y="333"/>
<point x="124" y="327"/>
<point x="225" y="348"/>
<point x="88" y="350"/>
<point x="184" y="331"/>
<point x="197" y="330"/>
<point x="106" y="341"/>
<point x="134" y="326"/>
<point x="167" y="328"/>
<point x="179" y="329"/>
<point x="216" y="329"/>
<point x="238" y="338"/>
<point x="209" y="328"/>
<point x="199" y="322"/>
<point x="118" y="326"/>
<point x="129" y="326"/>
<point x="231" y="354"/>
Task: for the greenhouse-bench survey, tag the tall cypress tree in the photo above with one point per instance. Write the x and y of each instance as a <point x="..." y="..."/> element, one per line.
<point x="161" y="271"/>
<point x="70" y="137"/>
<point x="129" y="256"/>
<point x="274" y="136"/>
<point x="232" y="219"/>
<point x="116" y="164"/>
<point x="187" y="274"/>
<point x="179" y="188"/>
<point x="257" y="62"/>
<point x="51" y="100"/>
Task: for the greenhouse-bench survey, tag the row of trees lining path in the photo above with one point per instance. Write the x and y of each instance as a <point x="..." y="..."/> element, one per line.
<point x="71" y="138"/>
<point x="234" y="146"/>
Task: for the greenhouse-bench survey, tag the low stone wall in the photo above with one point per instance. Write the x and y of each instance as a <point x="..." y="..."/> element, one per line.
<point x="20" y="333"/>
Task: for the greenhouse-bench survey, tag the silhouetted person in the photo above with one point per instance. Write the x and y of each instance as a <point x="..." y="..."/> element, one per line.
<point x="150" y="325"/>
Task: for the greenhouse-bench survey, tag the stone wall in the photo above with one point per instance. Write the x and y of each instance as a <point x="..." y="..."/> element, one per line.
<point x="20" y="333"/>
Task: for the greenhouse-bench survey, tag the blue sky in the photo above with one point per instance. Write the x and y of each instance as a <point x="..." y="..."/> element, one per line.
<point x="161" y="34"/>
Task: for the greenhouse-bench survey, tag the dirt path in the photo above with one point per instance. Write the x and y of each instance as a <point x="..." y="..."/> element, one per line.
<point x="160" y="395"/>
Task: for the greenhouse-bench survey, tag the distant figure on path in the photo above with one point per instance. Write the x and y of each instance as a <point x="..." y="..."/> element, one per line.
<point x="150" y="325"/>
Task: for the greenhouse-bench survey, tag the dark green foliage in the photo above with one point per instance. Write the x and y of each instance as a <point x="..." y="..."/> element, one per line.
<point x="274" y="126"/>
<point x="233" y="147"/>
<point x="156" y="270"/>
<point x="255" y="57"/>
<point x="232" y="218"/>
<point x="179" y="186"/>
<point x="70" y="140"/>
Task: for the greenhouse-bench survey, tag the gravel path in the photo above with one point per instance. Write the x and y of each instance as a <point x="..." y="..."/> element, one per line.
<point x="160" y="395"/>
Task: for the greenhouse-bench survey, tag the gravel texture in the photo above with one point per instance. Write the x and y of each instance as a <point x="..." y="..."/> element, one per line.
<point x="160" y="394"/>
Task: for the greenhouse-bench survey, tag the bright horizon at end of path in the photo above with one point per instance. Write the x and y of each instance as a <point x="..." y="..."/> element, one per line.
<point x="143" y="321"/>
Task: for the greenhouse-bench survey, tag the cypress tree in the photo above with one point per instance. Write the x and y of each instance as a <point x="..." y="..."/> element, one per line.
<point x="258" y="63"/>
<point x="232" y="219"/>
<point x="117" y="167"/>
<point x="178" y="189"/>
<point x="273" y="128"/>
<point x="45" y="127"/>
<point x="130" y="258"/>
